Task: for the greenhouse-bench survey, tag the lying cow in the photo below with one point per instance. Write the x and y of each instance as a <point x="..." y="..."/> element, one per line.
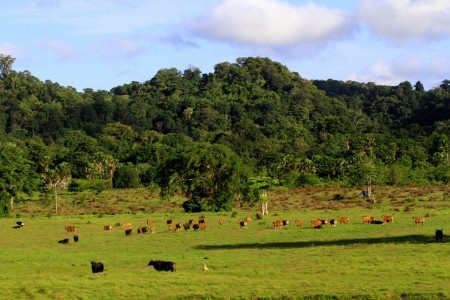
<point x="64" y="241"/>
<point x="97" y="267"/>
<point x="160" y="265"/>
<point x="439" y="235"/>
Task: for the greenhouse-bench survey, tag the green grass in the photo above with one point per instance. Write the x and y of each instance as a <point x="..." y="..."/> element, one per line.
<point x="364" y="261"/>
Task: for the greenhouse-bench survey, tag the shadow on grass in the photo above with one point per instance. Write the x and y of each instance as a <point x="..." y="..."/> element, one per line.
<point x="406" y="239"/>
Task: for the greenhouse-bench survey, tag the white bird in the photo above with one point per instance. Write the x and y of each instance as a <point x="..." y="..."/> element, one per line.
<point x="205" y="267"/>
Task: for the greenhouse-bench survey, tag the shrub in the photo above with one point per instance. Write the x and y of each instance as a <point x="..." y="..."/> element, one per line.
<point x="126" y="177"/>
<point x="308" y="179"/>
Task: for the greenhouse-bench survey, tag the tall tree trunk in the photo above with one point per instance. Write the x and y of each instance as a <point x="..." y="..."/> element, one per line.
<point x="12" y="202"/>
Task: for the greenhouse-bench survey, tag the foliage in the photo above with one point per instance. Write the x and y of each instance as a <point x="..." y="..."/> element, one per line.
<point x="126" y="177"/>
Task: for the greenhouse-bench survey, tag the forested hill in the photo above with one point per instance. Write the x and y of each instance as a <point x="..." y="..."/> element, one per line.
<point x="274" y="121"/>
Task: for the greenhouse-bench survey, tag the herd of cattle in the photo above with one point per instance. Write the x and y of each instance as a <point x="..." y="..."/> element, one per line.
<point x="98" y="267"/>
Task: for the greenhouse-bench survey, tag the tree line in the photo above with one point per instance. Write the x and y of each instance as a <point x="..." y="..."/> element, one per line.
<point x="216" y="136"/>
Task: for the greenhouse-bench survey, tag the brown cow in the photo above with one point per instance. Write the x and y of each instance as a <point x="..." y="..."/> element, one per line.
<point x="344" y="220"/>
<point x="172" y="227"/>
<point x="277" y="223"/>
<point x="152" y="229"/>
<point x="71" y="228"/>
<point x="178" y="225"/>
<point x="139" y="230"/>
<point x="202" y="226"/>
<point x="127" y="225"/>
<point x="201" y="220"/>
<point x="368" y="220"/>
<point x="333" y="222"/>
<point x="388" y="218"/>
<point x="316" y="224"/>
<point x="187" y="227"/>
<point x="299" y="223"/>
<point x="243" y="224"/>
<point x="107" y="227"/>
<point x="419" y="220"/>
<point x="249" y="220"/>
<point x="324" y="222"/>
<point x="149" y="222"/>
<point x="128" y="231"/>
<point x="220" y="222"/>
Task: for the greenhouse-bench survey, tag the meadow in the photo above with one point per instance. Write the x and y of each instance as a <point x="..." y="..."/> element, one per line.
<point x="399" y="260"/>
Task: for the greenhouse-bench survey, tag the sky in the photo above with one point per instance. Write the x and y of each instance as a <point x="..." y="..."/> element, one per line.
<point x="101" y="44"/>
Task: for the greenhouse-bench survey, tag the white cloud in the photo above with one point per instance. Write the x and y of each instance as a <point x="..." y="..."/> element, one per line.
<point x="10" y="49"/>
<point x="63" y="51"/>
<point x="406" y="20"/>
<point x="272" y="23"/>
<point x="119" y="48"/>
<point x="430" y="72"/>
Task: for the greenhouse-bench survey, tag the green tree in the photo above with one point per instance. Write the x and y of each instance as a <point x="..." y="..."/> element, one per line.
<point x="256" y="191"/>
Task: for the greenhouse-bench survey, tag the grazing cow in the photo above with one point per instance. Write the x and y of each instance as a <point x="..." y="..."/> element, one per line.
<point x="388" y="218"/>
<point x="97" y="267"/>
<point x="243" y="224"/>
<point x="202" y="226"/>
<point x="191" y="222"/>
<point x="419" y="220"/>
<point x="368" y="219"/>
<point x="196" y="227"/>
<point x="127" y="225"/>
<point x="220" y="222"/>
<point x="299" y="223"/>
<point x="333" y="222"/>
<point x="178" y="226"/>
<point x="160" y="265"/>
<point x="172" y="227"/>
<point x="149" y="222"/>
<point x="201" y="220"/>
<point x="144" y="229"/>
<point x="316" y="224"/>
<point x="107" y="227"/>
<point x="20" y="223"/>
<point x="139" y="230"/>
<point x="169" y="222"/>
<point x="324" y="222"/>
<point x="439" y="235"/>
<point x="344" y="220"/>
<point x="128" y="231"/>
<point x="152" y="229"/>
<point x="277" y="223"/>
<point x="285" y="222"/>
<point x="75" y="238"/>
<point x="249" y="220"/>
<point x="64" y="241"/>
<point x="187" y="227"/>
<point x="71" y="228"/>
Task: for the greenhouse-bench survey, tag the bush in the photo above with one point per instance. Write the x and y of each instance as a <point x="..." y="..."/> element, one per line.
<point x="126" y="177"/>
<point x="308" y="179"/>
<point x="75" y="186"/>
<point x="442" y="173"/>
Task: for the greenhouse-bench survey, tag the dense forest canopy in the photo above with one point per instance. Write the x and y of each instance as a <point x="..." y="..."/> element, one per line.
<point x="191" y="131"/>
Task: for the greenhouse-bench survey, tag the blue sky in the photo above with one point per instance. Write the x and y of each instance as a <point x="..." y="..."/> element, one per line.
<point x="101" y="44"/>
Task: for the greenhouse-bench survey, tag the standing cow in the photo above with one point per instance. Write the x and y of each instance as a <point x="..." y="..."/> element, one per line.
<point x="97" y="267"/>
<point x="439" y="235"/>
<point x="160" y="265"/>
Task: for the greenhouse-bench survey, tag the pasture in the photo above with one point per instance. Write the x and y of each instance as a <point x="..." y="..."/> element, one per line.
<point x="399" y="260"/>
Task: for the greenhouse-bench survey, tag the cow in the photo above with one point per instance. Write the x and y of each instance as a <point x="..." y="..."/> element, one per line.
<point x="249" y="220"/>
<point x="196" y="227"/>
<point x="368" y="219"/>
<point x="299" y="223"/>
<point x="172" y="227"/>
<point x="127" y="225"/>
<point x="344" y="220"/>
<point x="324" y="222"/>
<point x="152" y="229"/>
<point x="178" y="226"/>
<point x="201" y="220"/>
<point x="202" y="226"/>
<point x="439" y="235"/>
<point x="388" y="218"/>
<point x="333" y="222"/>
<point x="316" y="224"/>
<point x="243" y="224"/>
<point x="64" y="241"/>
<point x="160" y="265"/>
<point x="144" y="229"/>
<point x="220" y="222"/>
<point x="191" y="222"/>
<point x="169" y="222"/>
<point x="149" y="222"/>
<point x="71" y="228"/>
<point x="187" y="227"/>
<point x="419" y="220"/>
<point x="19" y="223"/>
<point x="277" y="223"/>
<point x="97" y="267"/>
<point x="106" y="227"/>
<point x="139" y="230"/>
<point x="285" y="222"/>
<point x="128" y="231"/>
<point x="75" y="238"/>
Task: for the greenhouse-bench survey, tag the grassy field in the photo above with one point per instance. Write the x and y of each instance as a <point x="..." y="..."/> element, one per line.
<point x="398" y="260"/>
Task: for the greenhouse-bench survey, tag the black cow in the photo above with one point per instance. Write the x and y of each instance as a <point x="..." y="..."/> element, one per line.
<point x="196" y="227"/>
<point x="128" y="232"/>
<point x="160" y="265"/>
<point x="439" y="235"/>
<point x="20" y="223"/>
<point x="64" y="241"/>
<point x="75" y="238"/>
<point x="97" y="267"/>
